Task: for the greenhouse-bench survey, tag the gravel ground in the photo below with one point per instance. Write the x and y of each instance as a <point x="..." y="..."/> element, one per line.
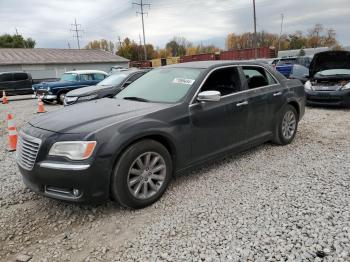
<point x="270" y="203"/>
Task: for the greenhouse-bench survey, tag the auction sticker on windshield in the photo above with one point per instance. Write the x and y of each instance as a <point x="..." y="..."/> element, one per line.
<point x="183" y="81"/>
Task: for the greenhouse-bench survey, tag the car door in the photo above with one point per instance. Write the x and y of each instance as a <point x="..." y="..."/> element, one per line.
<point x="6" y="83"/>
<point x="86" y="80"/>
<point x="218" y="126"/>
<point x="264" y="97"/>
<point x="21" y="83"/>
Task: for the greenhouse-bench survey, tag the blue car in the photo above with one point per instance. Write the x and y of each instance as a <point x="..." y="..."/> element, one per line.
<point x="56" y="91"/>
<point x="285" y="65"/>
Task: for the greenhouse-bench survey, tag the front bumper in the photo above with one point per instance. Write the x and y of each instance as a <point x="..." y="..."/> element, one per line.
<point x="71" y="183"/>
<point x="328" y="98"/>
<point x="85" y="181"/>
<point x="44" y="95"/>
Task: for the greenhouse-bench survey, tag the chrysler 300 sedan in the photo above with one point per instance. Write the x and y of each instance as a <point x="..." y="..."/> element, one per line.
<point x="174" y="118"/>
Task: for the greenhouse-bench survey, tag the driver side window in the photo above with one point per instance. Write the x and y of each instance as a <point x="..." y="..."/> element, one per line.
<point x="224" y="80"/>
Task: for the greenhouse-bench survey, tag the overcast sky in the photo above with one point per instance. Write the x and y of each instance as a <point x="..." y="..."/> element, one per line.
<point x="49" y="21"/>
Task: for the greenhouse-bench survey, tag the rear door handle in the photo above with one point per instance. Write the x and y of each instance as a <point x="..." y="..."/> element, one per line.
<point x="242" y="103"/>
<point x="277" y="94"/>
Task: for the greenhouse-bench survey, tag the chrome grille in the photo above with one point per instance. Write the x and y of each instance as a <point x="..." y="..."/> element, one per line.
<point x="27" y="150"/>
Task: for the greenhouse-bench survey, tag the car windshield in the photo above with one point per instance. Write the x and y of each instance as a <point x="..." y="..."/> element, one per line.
<point x="165" y="85"/>
<point x="332" y="72"/>
<point x="69" y="77"/>
<point x="286" y="61"/>
<point x="113" y="80"/>
<point x="299" y="70"/>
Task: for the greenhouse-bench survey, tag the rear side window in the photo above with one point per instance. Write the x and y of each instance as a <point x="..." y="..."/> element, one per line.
<point x="99" y="77"/>
<point x="86" y="77"/>
<point x="258" y="77"/>
<point x="5" y="77"/>
<point x="20" y="76"/>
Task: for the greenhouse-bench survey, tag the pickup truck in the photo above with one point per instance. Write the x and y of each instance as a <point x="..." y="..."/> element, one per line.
<point x="56" y="91"/>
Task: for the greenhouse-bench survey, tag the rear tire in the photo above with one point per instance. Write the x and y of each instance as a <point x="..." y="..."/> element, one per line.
<point x="141" y="174"/>
<point x="286" y="126"/>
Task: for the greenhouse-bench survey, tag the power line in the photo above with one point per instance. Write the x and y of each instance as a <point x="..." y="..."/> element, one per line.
<point x="142" y="13"/>
<point x="77" y="31"/>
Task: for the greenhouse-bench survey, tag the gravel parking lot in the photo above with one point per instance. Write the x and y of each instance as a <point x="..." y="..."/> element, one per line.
<point x="270" y="203"/>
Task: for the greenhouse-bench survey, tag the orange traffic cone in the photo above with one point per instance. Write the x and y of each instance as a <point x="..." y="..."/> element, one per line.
<point x="41" y="108"/>
<point x="4" y="98"/>
<point x="12" y="137"/>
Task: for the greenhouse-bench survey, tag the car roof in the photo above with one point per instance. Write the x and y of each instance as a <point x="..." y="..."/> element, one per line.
<point x="214" y="63"/>
<point x="13" y="72"/>
<point x="86" y="72"/>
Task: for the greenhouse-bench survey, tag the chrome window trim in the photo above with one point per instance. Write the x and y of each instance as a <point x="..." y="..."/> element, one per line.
<point x="237" y="93"/>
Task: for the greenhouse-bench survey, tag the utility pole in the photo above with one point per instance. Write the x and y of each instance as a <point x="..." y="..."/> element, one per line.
<point x="138" y="48"/>
<point x="77" y="31"/>
<point x="255" y="36"/>
<point x="142" y="13"/>
<point x="279" y="40"/>
<point x="120" y="42"/>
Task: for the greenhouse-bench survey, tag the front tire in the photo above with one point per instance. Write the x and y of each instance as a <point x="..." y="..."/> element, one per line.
<point x="286" y="126"/>
<point x="61" y="97"/>
<point x="141" y="174"/>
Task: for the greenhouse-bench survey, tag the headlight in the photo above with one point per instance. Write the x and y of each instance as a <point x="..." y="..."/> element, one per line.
<point x="75" y="150"/>
<point x="70" y="99"/>
<point x="90" y="97"/>
<point x="347" y="86"/>
<point x="308" y="85"/>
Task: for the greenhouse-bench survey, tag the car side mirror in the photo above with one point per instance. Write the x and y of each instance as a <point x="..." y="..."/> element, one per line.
<point x="306" y="76"/>
<point x="209" y="96"/>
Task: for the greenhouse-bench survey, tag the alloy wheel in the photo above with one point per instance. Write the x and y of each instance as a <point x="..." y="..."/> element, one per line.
<point x="146" y="175"/>
<point x="288" y="125"/>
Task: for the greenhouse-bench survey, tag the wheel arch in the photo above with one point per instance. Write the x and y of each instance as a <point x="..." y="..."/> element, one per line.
<point x="296" y="106"/>
<point x="159" y="137"/>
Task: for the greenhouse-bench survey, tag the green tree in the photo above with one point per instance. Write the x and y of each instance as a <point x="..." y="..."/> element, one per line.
<point x="16" y="41"/>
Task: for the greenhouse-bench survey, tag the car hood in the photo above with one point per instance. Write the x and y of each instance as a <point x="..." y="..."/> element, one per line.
<point x="329" y="60"/>
<point x="84" y="118"/>
<point x="89" y="90"/>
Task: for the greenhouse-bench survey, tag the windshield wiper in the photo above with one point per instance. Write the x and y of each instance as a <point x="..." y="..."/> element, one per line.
<point x="135" y="98"/>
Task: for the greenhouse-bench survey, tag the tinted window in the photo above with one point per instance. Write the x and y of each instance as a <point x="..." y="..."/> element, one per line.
<point x="225" y="80"/>
<point x="86" y="77"/>
<point x="5" y="77"/>
<point x="99" y="77"/>
<point x="167" y="85"/>
<point x="20" y="76"/>
<point x="134" y="77"/>
<point x="258" y="77"/>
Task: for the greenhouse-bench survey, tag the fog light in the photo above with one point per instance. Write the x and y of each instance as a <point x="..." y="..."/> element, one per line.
<point x="76" y="192"/>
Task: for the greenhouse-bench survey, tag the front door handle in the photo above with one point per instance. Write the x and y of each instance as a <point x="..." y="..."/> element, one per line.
<point x="242" y="103"/>
<point x="277" y="94"/>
